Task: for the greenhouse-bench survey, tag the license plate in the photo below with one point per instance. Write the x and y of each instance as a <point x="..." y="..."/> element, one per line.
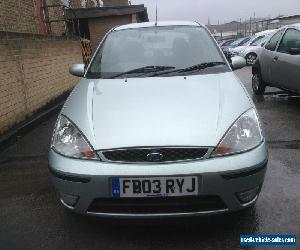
<point x="154" y="186"/>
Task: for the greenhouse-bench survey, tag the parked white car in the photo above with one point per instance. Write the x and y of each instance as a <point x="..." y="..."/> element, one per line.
<point x="253" y="48"/>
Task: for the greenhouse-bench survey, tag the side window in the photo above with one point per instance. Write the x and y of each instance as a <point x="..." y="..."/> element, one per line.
<point x="272" y="43"/>
<point x="290" y="40"/>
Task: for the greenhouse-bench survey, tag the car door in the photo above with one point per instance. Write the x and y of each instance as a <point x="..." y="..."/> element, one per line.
<point x="286" y="66"/>
<point x="267" y="58"/>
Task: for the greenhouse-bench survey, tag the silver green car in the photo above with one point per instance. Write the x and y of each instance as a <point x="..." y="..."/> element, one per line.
<point x="158" y="126"/>
<point x="278" y="64"/>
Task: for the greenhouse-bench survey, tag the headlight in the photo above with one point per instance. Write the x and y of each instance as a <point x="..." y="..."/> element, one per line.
<point x="69" y="141"/>
<point x="243" y="135"/>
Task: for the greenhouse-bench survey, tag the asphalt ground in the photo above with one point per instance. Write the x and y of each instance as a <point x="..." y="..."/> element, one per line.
<point x="32" y="218"/>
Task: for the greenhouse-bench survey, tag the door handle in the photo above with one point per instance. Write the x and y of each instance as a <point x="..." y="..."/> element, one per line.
<point x="276" y="58"/>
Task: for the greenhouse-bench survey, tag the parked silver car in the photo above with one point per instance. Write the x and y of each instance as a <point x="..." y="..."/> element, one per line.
<point x="279" y="63"/>
<point x="251" y="50"/>
<point x="158" y="125"/>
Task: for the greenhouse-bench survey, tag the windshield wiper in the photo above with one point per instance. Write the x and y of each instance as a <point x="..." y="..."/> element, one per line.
<point x="146" y="69"/>
<point x="202" y="66"/>
<point x="199" y="66"/>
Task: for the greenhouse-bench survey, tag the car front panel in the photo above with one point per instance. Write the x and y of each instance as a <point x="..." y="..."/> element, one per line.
<point x="219" y="180"/>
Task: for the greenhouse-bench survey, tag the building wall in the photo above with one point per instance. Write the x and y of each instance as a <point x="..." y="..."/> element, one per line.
<point x="100" y="26"/>
<point x="134" y="18"/>
<point x="56" y="13"/>
<point x="24" y="16"/>
<point x="34" y="71"/>
<point x="283" y="22"/>
<point x="19" y="16"/>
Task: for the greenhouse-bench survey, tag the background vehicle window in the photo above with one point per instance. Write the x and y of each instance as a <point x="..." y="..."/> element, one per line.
<point x="271" y="45"/>
<point x="290" y="40"/>
<point x="237" y="42"/>
<point x="257" y="40"/>
<point x="245" y="41"/>
<point x="227" y="43"/>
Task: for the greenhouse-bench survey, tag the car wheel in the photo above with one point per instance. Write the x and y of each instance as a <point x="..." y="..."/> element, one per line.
<point x="251" y="58"/>
<point x="258" y="85"/>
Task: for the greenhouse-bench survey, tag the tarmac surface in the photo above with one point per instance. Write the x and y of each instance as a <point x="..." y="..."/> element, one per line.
<point x="31" y="216"/>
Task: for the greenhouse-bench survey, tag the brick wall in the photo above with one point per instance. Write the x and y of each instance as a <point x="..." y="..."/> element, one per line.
<point x="18" y="16"/>
<point x="34" y="71"/>
<point x="55" y="13"/>
<point x="100" y="26"/>
<point x="23" y="16"/>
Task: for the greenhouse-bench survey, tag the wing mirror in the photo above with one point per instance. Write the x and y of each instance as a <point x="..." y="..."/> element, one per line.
<point x="294" y="51"/>
<point x="237" y="62"/>
<point x="76" y="69"/>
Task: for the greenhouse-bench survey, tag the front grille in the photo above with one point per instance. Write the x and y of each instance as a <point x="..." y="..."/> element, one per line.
<point x="157" y="205"/>
<point x="154" y="155"/>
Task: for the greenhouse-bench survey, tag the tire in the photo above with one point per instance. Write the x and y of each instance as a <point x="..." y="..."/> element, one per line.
<point x="251" y="58"/>
<point x="258" y="85"/>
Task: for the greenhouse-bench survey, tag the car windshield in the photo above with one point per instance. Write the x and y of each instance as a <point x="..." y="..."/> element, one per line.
<point x="237" y="42"/>
<point x="225" y="43"/>
<point x="245" y="41"/>
<point x="138" y="52"/>
<point x="240" y="41"/>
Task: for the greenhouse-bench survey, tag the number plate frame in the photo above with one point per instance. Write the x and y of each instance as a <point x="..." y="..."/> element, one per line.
<point x="139" y="187"/>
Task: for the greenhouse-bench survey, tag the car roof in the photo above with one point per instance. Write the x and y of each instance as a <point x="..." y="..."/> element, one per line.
<point x="265" y="32"/>
<point x="153" y="24"/>
<point x="295" y="25"/>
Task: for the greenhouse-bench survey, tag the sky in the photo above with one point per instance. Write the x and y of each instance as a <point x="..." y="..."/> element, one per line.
<point x="218" y="10"/>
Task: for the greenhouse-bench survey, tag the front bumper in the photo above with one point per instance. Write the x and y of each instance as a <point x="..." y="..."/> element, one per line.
<point x="220" y="177"/>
